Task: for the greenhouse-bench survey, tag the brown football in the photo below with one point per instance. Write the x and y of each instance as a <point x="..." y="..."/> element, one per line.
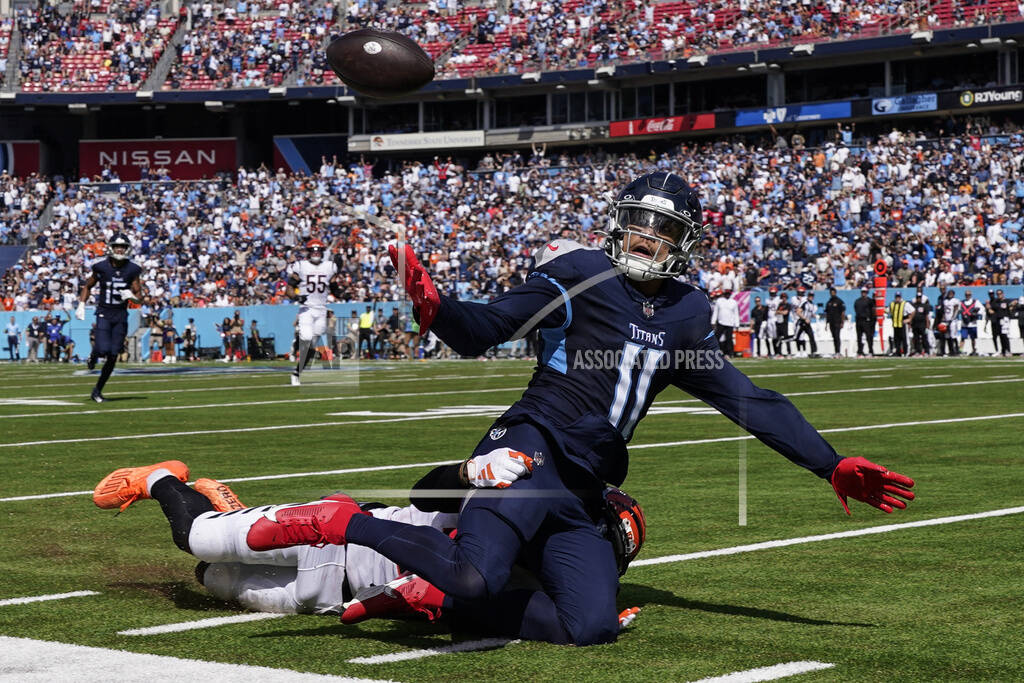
<point x="380" y="63"/>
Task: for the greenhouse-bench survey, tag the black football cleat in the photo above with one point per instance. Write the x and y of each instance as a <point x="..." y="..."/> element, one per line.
<point x="91" y="364"/>
<point x="97" y="396"/>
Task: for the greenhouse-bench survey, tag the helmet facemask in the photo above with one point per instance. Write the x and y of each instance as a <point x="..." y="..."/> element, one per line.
<point x="119" y="249"/>
<point x="316" y="255"/>
<point x="651" y="242"/>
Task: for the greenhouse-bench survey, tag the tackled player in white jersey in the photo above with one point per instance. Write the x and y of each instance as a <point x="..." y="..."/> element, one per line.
<point x="310" y="281"/>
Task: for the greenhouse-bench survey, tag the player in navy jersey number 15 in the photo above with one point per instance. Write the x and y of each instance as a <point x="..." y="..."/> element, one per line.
<point x="119" y="282"/>
<point x="617" y="328"/>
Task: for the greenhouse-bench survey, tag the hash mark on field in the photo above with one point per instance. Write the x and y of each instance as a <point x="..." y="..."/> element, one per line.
<point x="38" y="660"/>
<point x="768" y="673"/>
<point x="1003" y="376"/>
<point x="934" y="376"/>
<point x="466" y="646"/>
<point x="44" y="598"/>
<point x="869" y="531"/>
<point x="874" y="376"/>
<point x="199" y="623"/>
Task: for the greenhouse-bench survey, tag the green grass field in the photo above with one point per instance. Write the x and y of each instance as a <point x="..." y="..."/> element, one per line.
<point x="939" y="602"/>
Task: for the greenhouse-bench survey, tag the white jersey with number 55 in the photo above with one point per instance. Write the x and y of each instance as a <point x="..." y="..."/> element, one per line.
<point x="314" y="280"/>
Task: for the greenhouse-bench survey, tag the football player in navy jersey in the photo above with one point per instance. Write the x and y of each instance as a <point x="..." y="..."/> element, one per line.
<point x="119" y="281"/>
<point x="617" y="328"/>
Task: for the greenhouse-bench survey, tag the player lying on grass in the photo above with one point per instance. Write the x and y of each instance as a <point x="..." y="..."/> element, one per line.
<point x="211" y="523"/>
<point x="617" y="328"/>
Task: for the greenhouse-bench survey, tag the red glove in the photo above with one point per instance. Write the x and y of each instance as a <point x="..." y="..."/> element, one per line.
<point x="869" y="483"/>
<point x="419" y="286"/>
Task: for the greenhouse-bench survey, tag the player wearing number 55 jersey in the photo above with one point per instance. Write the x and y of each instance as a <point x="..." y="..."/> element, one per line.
<point x="119" y="282"/>
<point x="617" y="328"/>
<point x="311" y="280"/>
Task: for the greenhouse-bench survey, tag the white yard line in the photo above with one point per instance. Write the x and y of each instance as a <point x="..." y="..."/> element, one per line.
<point x="45" y="598"/>
<point x="783" y="542"/>
<point x="352" y="380"/>
<point x="466" y="646"/>
<point x="663" y="444"/>
<point x="768" y="673"/>
<point x="834" y="430"/>
<point x="934" y="376"/>
<point x="37" y="660"/>
<point x="200" y="623"/>
<point x="320" y="399"/>
<point x="826" y="372"/>
<point x="267" y="477"/>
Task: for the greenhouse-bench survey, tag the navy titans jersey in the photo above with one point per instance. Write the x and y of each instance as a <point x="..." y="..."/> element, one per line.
<point x="607" y="351"/>
<point x="111" y="280"/>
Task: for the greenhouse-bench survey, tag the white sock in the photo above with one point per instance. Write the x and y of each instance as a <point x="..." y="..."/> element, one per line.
<point x="155" y="476"/>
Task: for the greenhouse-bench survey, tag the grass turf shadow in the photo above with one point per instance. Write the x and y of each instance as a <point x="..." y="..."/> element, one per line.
<point x="637" y="595"/>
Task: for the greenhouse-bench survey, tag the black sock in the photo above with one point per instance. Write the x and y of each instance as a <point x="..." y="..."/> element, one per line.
<point x="181" y="505"/>
<point x="108" y="369"/>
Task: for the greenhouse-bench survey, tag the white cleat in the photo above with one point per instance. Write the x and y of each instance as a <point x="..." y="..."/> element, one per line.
<point x="295" y="379"/>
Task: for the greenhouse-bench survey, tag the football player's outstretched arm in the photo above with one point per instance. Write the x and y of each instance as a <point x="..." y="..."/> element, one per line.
<point x="472" y="328"/>
<point x="777" y="423"/>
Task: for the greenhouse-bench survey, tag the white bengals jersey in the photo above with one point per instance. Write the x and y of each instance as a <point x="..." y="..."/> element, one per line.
<point x="951" y="310"/>
<point x="314" y="280"/>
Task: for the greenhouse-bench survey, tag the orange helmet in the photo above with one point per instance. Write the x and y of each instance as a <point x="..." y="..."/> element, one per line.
<point x="315" y="249"/>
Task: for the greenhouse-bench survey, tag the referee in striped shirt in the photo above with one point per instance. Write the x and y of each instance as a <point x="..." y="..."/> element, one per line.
<point x="900" y="312"/>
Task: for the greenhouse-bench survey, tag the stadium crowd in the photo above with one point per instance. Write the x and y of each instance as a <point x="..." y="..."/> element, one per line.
<point x="940" y="211"/>
<point x="76" y="48"/>
<point x="103" y="45"/>
<point x="249" y="43"/>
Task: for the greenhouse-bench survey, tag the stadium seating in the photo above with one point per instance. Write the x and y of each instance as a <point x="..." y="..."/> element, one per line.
<point x="478" y="229"/>
<point x="227" y="48"/>
<point x="83" y="51"/>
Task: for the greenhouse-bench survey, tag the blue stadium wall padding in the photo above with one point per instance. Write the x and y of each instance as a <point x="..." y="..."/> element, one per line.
<point x="279" y="321"/>
<point x="286" y="147"/>
<point x="273" y="321"/>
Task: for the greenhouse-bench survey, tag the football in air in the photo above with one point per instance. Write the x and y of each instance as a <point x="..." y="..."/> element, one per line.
<point x="380" y="63"/>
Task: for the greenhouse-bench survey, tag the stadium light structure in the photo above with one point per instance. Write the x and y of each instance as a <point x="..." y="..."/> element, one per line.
<point x="8" y="96"/>
<point x="605" y="71"/>
<point x="144" y="95"/>
<point x="214" y="105"/>
<point x="345" y="99"/>
<point x="531" y="76"/>
<point x="78" y="108"/>
<point x="699" y="60"/>
<point x="804" y="50"/>
<point x="278" y="91"/>
<point x="921" y="37"/>
<point x="474" y="92"/>
<point x="991" y="42"/>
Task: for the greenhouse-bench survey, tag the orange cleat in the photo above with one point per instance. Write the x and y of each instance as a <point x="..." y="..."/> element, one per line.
<point x="122" y="487"/>
<point x="408" y="595"/>
<point x="221" y="495"/>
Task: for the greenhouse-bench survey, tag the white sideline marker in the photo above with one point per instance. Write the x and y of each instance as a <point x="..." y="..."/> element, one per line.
<point x="200" y="623"/>
<point x="783" y="542"/>
<point x="37" y="660"/>
<point x="44" y="598"/>
<point x="467" y="646"/>
<point x="768" y="673"/>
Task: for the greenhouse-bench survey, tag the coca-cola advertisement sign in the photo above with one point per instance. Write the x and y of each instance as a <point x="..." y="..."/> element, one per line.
<point x="663" y="124"/>
<point x="184" y="158"/>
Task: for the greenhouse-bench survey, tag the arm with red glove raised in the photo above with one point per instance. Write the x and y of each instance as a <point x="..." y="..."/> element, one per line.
<point x="471" y="328"/>
<point x="870" y="483"/>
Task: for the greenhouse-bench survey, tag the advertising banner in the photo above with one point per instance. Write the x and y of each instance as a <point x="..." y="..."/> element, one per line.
<point x="904" y="104"/>
<point x="792" y="114"/>
<point x="19" y="158"/>
<point x="664" y="124"/>
<point x="184" y="158"/>
<point x="989" y="97"/>
<point x="440" y="140"/>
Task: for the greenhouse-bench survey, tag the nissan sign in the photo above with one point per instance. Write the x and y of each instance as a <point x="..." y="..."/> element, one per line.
<point x="184" y="159"/>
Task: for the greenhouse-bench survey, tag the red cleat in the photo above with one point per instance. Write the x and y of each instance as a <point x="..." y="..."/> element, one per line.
<point x="315" y="524"/>
<point x="405" y="596"/>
